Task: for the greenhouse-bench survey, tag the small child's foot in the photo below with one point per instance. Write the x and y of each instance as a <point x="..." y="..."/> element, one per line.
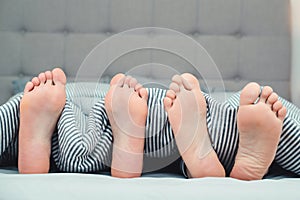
<point x="186" y="108"/>
<point x="126" y="107"/>
<point x="42" y="103"/>
<point x="259" y="126"/>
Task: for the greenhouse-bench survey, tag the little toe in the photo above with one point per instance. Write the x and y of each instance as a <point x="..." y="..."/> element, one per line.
<point x="42" y="77"/>
<point x="249" y="94"/>
<point x="265" y="93"/>
<point x="143" y="93"/>
<point x="282" y="113"/>
<point x="168" y="103"/>
<point x="118" y="80"/>
<point x="28" y="87"/>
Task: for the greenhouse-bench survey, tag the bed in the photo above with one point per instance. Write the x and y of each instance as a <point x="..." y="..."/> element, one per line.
<point x="164" y="186"/>
<point x="249" y="40"/>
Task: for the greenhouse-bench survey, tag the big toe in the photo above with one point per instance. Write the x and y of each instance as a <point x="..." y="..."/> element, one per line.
<point x="118" y="79"/>
<point x="59" y="76"/>
<point x="190" y="81"/>
<point x="249" y="94"/>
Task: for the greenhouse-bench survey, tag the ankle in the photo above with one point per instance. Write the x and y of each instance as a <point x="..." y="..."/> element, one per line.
<point x="209" y="166"/>
<point x="126" y="163"/>
<point x="121" y="174"/>
<point x="34" y="156"/>
<point x="129" y="145"/>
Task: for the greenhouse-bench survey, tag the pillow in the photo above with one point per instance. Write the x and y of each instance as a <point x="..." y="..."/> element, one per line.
<point x="19" y="84"/>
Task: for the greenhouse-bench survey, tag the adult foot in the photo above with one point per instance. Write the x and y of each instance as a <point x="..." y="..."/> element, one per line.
<point x="259" y="124"/>
<point x="126" y="107"/>
<point x="42" y="103"/>
<point x="186" y="108"/>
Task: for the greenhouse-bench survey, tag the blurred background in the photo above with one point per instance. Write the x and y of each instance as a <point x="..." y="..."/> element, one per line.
<point x="249" y="40"/>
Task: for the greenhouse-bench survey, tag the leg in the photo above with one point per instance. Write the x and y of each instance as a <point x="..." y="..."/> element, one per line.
<point x="259" y="126"/>
<point x="186" y="108"/>
<point x="83" y="139"/>
<point x="9" y="126"/>
<point x="42" y="103"/>
<point x="126" y="106"/>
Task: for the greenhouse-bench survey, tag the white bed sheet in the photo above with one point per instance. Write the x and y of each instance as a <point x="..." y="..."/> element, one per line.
<point x="154" y="186"/>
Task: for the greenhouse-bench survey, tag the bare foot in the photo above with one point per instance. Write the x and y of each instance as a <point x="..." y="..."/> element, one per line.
<point x="126" y="107"/>
<point x="186" y="108"/>
<point x="42" y="103"/>
<point x="259" y="126"/>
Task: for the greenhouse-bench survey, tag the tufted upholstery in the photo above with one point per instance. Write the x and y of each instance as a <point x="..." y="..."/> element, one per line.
<point x="248" y="39"/>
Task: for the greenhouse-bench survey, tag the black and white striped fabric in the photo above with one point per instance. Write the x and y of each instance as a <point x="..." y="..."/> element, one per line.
<point x="9" y="128"/>
<point x="83" y="139"/>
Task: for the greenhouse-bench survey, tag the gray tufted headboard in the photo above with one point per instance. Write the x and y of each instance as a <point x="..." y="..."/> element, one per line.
<point x="248" y="39"/>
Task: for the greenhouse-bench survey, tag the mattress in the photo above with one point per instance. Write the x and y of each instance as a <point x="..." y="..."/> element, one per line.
<point x="151" y="186"/>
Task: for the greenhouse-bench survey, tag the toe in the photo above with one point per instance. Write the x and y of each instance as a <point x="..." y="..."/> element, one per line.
<point x="42" y="77"/>
<point x="48" y="75"/>
<point x="249" y="94"/>
<point x="171" y="94"/>
<point x="28" y="87"/>
<point x="118" y="80"/>
<point x="132" y="83"/>
<point x="190" y="81"/>
<point x="272" y="99"/>
<point x="282" y="113"/>
<point x="177" y="79"/>
<point x="137" y="87"/>
<point x="175" y="87"/>
<point x="49" y="78"/>
<point x="35" y="81"/>
<point x="127" y="81"/>
<point x="59" y="76"/>
<point x="265" y="93"/>
<point x="277" y="106"/>
<point x="143" y="94"/>
<point x="167" y="103"/>
<point x="186" y="84"/>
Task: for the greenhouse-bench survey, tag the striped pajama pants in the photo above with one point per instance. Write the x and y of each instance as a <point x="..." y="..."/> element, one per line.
<point x="83" y="139"/>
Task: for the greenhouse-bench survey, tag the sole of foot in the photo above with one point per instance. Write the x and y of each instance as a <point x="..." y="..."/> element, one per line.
<point x="259" y="119"/>
<point x="126" y="107"/>
<point x="186" y="108"/>
<point x="40" y="107"/>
